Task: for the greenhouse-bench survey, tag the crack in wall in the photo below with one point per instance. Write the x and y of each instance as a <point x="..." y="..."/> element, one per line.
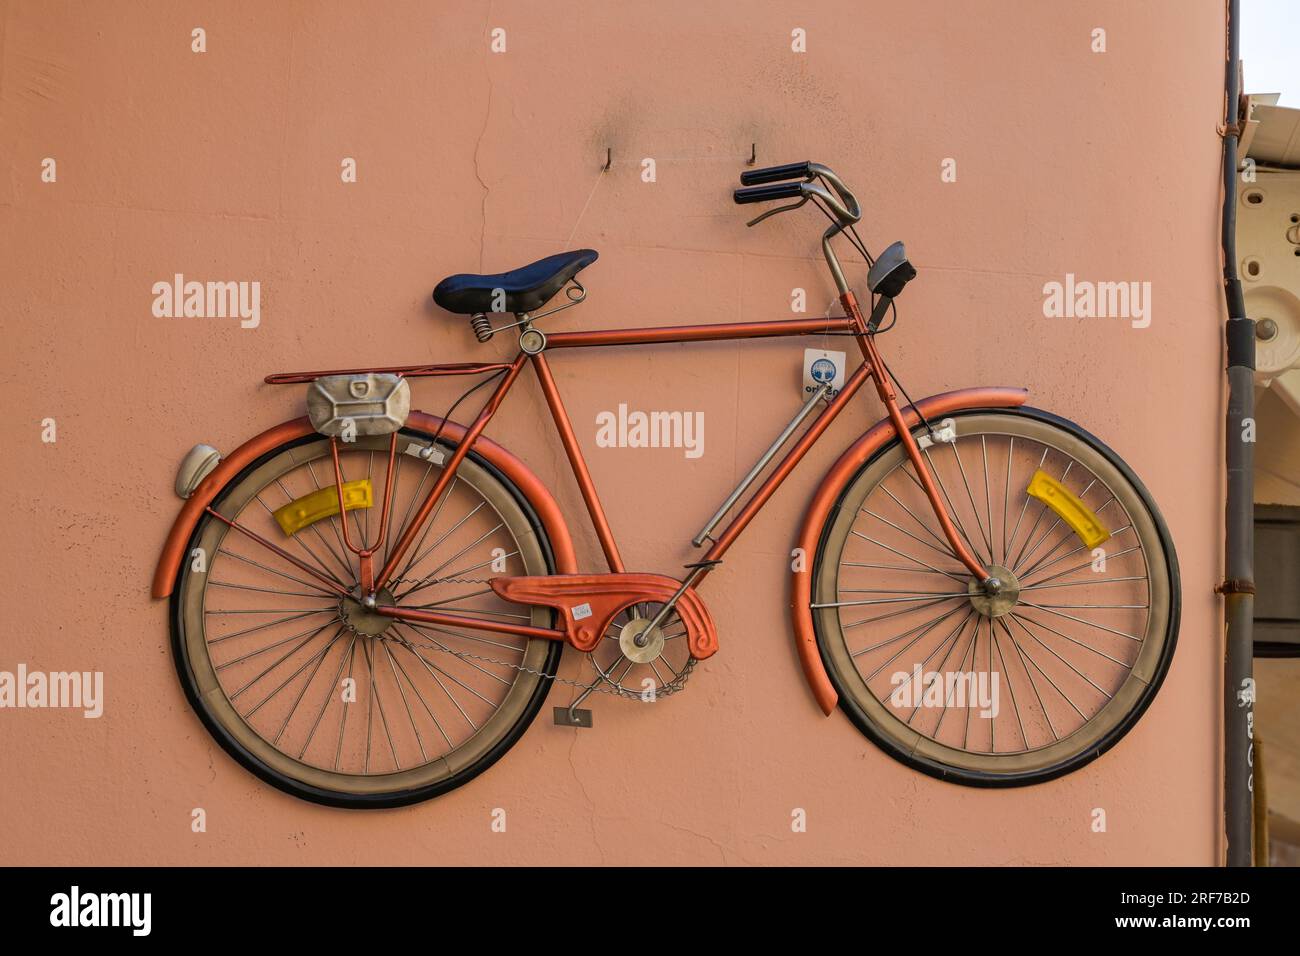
<point x="487" y="118"/>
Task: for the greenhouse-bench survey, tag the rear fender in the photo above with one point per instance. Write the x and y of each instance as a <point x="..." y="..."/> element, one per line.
<point x="532" y="488"/>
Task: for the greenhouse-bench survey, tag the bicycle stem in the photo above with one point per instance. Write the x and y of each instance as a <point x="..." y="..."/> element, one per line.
<point x="849" y="212"/>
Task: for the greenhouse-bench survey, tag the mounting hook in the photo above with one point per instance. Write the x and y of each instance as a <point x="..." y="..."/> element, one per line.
<point x="609" y="159"/>
<point x="753" y="154"/>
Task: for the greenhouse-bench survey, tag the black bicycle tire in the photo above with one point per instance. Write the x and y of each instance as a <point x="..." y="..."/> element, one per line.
<point x="865" y="725"/>
<point x="332" y="798"/>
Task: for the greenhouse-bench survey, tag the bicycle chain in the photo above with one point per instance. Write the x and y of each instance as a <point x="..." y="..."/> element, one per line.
<point x="675" y="685"/>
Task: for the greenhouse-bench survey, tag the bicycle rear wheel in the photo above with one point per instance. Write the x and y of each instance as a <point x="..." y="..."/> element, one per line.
<point x="1019" y="688"/>
<point x="332" y="703"/>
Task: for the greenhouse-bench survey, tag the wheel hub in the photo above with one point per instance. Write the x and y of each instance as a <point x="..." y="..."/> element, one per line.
<point x="998" y="600"/>
<point x="359" y="619"/>
<point x="639" y="642"/>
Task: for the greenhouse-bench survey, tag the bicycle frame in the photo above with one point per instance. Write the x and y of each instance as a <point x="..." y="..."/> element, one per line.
<point x="586" y="607"/>
<point x="566" y="567"/>
<point x="852" y="323"/>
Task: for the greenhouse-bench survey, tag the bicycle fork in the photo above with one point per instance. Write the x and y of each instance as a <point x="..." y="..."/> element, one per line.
<point x="885" y="389"/>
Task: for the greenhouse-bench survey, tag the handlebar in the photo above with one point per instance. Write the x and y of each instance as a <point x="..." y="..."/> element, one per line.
<point x="838" y="199"/>
<point x="765" y="193"/>
<point x="771" y="174"/>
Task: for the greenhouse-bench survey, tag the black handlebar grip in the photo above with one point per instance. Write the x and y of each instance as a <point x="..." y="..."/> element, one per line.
<point x="764" y="193"/>
<point x="772" y="174"/>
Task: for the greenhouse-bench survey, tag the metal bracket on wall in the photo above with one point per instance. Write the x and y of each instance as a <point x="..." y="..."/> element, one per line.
<point x="572" y="717"/>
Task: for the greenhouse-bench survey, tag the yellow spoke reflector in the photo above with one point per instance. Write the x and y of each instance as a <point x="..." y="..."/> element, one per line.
<point x="324" y="503"/>
<point x="1068" y="508"/>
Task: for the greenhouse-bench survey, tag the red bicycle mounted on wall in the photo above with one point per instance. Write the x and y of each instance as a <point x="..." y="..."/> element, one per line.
<point x="990" y="594"/>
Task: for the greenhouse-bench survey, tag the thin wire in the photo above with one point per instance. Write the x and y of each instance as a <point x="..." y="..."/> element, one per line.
<point x="924" y="421"/>
<point x="464" y="395"/>
<point x="862" y="247"/>
<point x="856" y="241"/>
<point x="578" y="222"/>
<point x="893" y="315"/>
<point x="851" y="235"/>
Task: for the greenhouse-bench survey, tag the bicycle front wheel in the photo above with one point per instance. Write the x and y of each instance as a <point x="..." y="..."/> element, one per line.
<point x="1033" y="682"/>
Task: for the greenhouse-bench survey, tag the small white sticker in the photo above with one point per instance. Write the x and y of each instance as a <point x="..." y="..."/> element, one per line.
<point x="821" y="367"/>
<point x="581" y="611"/>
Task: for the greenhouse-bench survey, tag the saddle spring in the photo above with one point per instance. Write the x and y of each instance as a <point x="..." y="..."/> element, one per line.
<point x="482" y="326"/>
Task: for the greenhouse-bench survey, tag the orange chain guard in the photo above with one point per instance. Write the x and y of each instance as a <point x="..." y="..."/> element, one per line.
<point x="590" y="602"/>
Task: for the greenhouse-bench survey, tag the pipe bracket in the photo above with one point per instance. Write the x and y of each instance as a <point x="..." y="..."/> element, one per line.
<point x="1235" y="586"/>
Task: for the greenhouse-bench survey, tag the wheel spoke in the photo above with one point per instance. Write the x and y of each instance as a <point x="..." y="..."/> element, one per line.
<point x="354" y="573"/>
<point x="419" y="739"/>
<point x="1079" y="620"/>
<point x="301" y="667"/>
<point x="307" y="683"/>
<point x="1024" y="505"/>
<point x="892" y="614"/>
<point x="967" y="655"/>
<point x="246" y="560"/>
<point x="945" y="551"/>
<point x="343" y="710"/>
<point x="1042" y="512"/>
<point x="946" y="548"/>
<point x="428" y="526"/>
<point x="420" y="626"/>
<point x="1049" y="650"/>
<point x="923" y="596"/>
<point x="929" y="567"/>
<point x="434" y="671"/>
<point x="297" y="539"/>
<point x="1006" y="496"/>
<point x="249" y="587"/>
<point x="1079" y="567"/>
<point x="329" y="695"/>
<point x="1023" y="620"/>
<point x="1062" y="542"/>
<point x="950" y="642"/>
<point x="420" y="697"/>
<point x="1011" y="689"/>
<point x="431" y="578"/>
<point x="441" y="538"/>
<point x="988" y="543"/>
<point x="1083" y="547"/>
<point x="269" y="647"/>
<point x="262" y="627"/>
<point x="921" y="632"/>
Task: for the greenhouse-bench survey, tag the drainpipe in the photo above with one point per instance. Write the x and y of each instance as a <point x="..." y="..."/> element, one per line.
<point x="1238" y="587"/>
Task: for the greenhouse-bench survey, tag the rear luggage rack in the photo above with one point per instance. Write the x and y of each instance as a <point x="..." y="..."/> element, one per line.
<point x="402" y="371"/>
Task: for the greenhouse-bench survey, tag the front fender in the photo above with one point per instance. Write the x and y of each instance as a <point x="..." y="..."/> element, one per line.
<point x="532" y="488"/>
<point x="828" y="493"/>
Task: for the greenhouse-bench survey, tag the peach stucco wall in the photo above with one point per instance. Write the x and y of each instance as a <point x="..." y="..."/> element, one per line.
<point x="226" y="165"/>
